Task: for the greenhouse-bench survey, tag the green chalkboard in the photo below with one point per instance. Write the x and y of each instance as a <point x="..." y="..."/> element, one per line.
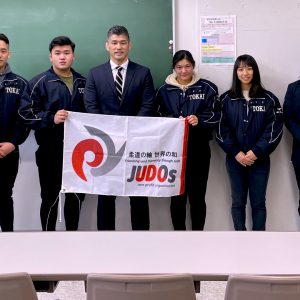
<point x="31" y="25"/>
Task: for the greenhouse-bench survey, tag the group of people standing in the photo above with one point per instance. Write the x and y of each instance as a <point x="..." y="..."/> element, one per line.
<point x="247" y="119"/>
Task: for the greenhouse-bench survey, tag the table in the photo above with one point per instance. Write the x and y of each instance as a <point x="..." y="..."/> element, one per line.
<point x="205" y="255"/>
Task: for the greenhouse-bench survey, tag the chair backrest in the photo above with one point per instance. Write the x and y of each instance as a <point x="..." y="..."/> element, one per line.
<point x="244" y="287"/>
<point x="17" y="286"/>
<point x="140" y="287"/>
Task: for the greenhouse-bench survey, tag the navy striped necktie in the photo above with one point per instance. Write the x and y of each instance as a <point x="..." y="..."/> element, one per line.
<point x="119" y="83"/>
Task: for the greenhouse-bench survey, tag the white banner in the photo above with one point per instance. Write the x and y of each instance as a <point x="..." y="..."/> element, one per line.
<point x="124" y="156"/>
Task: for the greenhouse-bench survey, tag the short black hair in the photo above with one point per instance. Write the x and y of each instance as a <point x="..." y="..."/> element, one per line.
<point x="4" y="38"/>
<point x="118" y="30"/>
<point x="183" y="54"/>
<point x="61" y="41"/>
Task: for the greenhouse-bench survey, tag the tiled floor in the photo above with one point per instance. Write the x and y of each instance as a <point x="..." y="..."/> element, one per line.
<point x="74" y="290"/>
<point x="66" y="290"/>
<point x="212" y="290"/>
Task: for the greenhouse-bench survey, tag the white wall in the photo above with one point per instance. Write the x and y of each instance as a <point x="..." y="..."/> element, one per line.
<point x="266" y="29"/>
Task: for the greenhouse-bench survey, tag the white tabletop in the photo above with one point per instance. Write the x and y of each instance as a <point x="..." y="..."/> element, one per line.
<point x="205" y="255"/>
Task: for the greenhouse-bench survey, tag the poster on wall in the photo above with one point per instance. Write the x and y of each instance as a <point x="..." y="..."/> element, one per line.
<point x="218" y="40"/>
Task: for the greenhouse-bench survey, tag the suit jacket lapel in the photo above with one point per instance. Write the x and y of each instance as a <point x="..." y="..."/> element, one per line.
<point x="129" y="76"/>
<point x="109" y="77"/>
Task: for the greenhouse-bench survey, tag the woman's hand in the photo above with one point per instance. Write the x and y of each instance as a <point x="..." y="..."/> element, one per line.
<point x="192" y="119"/>
<point x="6" y="148"/>
<point x="245" y="159"/>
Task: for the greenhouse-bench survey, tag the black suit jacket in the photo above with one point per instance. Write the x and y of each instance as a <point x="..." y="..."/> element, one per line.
<point x="138" y="93"/>
<point x="291" y="112"/>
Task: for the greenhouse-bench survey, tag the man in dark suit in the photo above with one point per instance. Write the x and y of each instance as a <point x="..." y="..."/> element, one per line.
<point x="120" y="87"/>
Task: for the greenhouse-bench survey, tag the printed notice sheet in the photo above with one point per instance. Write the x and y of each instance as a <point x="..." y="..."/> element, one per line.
<point x="218" y="40"/>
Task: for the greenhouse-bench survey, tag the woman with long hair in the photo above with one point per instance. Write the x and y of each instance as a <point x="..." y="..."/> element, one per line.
<point x="249" y="130"/>
<point x="186" y="95"/>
